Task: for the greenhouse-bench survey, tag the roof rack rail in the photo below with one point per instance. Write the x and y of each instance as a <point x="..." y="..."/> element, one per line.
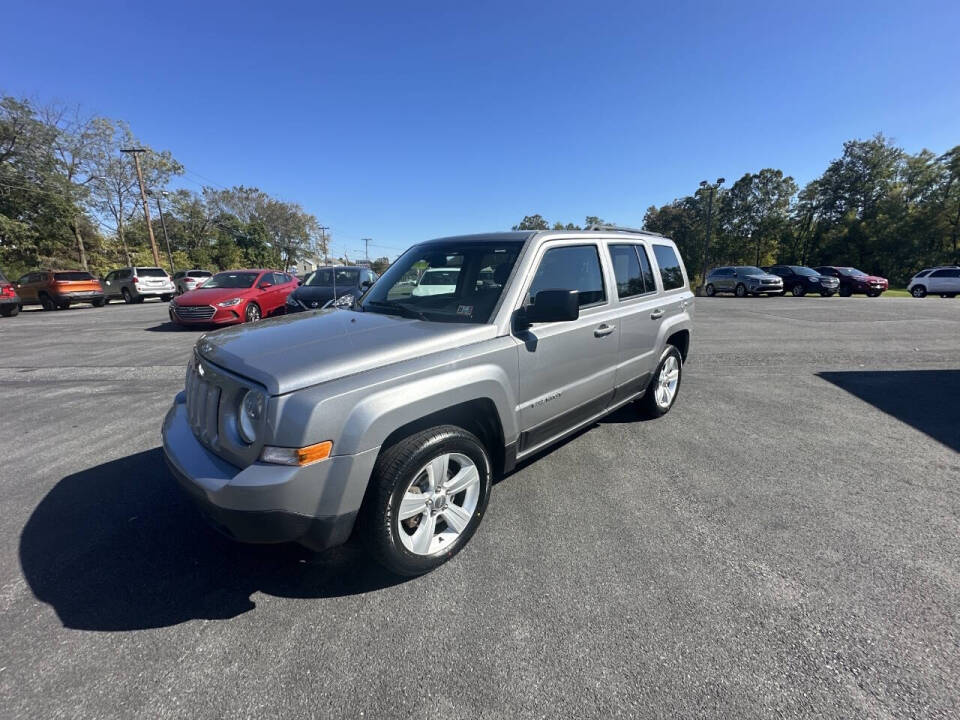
<point x="618" y="228"/>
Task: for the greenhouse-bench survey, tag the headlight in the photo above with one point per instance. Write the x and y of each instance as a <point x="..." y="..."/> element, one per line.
<point x="231" y="302"/>
<point x="813" y="279"/>
<point x="344" y="301"/>
<point x="251" y="411"/>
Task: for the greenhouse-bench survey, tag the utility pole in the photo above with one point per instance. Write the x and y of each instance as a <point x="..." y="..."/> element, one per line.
<point x="143" y="196"/>
<point x="323" y="241"/>
<point x="366" y="249"/>
<point x="706" y="244"/>
<point x="163" y="224"/>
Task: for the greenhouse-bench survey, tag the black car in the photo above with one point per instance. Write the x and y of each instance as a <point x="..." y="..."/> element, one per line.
<point x="799" y="280"/>
<point x="343" y="284"/>
<point x="9" y="300"/>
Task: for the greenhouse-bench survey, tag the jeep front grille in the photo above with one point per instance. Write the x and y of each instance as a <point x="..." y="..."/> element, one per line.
<point x="203" y="406"/>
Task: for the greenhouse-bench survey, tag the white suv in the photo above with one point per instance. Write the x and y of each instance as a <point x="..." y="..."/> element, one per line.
<point x="943" y="281"/>
<point x="134" y="284"/>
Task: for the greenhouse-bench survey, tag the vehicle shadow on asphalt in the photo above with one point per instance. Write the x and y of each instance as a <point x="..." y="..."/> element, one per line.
<point x="924" y="399"/>
<point x="168" y="327"/>
<point x="118" y="547"/>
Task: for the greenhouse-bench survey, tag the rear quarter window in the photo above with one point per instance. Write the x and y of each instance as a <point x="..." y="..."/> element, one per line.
<point x="671" y="271"/>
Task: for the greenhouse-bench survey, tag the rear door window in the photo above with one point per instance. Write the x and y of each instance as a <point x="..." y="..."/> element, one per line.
<point x="574" y="267"/>
<point x="670" y="271"/>
<point x="633" y="276"/>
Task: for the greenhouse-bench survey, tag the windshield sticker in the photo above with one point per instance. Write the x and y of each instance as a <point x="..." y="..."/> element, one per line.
<point x="465" y="310"/>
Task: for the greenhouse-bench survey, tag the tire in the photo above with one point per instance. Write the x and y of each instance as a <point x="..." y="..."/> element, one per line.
<point x="138" y="300"/>
<point x="826" y="293"/>
<point x="919" y="291"/>
<point x="127" y="297"/>
<point x="873" y="294"/>
<point x="741" y="290"/>
<point x="46" y="302"/>
<point x="798" y="290"/>
<point x="710" y="290"/>
<point x="949" y="295"/>
<point x="10" y="310"/>
<point x="845" y="292"/>
<point x="402" y="472"/>
<point x="662" y="393"/>
<point x="252" y="313"/>
<point x="99" y="302"/>
<point x="166" y="298"/>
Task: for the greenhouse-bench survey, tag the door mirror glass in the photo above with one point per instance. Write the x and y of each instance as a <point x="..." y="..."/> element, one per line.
<point x="554" y="306"/>
<point x="265" y="285"/>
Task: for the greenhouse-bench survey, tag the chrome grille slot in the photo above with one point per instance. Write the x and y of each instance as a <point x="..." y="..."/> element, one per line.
<point x="195" y="312"/>
<point x="203" y="406"/>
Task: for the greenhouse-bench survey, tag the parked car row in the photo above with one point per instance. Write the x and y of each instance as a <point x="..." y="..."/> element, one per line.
<point x="799" y="280"/>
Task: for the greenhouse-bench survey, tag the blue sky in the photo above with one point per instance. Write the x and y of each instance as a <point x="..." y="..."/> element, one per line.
<point x="400" y="121"/>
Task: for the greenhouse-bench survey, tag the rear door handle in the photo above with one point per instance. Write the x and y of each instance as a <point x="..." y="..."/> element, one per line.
<point x="603" y="330"/>
<point x="656" y="314"/>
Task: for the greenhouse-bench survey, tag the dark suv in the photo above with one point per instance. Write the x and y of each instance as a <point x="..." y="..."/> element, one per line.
<point x="799" y="280"/>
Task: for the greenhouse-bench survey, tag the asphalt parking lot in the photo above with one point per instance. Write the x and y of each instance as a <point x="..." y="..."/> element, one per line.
<point x="786" y="542"/>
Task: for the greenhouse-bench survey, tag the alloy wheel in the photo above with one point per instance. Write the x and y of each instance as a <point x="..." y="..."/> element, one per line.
<point x="667" y="381"/>
<point x="438" y="504"/>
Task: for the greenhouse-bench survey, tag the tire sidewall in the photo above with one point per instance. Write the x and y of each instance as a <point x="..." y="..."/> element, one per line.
<point x="710" y="290"/>
<point x="648" y="403"/>
<point x="919" y="291"/>
<point x="740" y="291"/>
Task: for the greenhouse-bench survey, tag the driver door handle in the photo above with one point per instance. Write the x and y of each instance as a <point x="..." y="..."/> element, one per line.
<point x="603" y="330"/>
<point x="656" y="314"/>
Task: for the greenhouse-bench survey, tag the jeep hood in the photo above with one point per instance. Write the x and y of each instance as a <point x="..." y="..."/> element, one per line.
<point x="296" y="351"/>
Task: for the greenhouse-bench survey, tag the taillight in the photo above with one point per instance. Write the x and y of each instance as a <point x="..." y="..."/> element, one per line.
<point x="7" y="291"/>
<point x="136" y="279"/>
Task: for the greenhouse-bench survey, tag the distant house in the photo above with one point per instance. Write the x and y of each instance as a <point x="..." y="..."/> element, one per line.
<point x="305" y="267"/>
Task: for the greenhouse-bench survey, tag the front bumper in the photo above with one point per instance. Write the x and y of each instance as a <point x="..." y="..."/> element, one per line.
<point x="766" y="288"/>
<point x="221" y="316"/>
<point x="315" y="505"/>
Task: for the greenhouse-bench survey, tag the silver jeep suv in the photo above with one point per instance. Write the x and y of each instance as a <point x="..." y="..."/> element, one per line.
<point x="394" y="415"/>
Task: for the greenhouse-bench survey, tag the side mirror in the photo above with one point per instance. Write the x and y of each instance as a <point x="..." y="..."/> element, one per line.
<point x="366" y="284"/>
<point x="265" y="285"/>
<point x="554" y="306"/>
<point x="299" y="283"/>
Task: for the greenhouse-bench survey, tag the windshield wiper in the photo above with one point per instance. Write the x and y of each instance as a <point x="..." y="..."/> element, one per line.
<point x="404" y="310"/>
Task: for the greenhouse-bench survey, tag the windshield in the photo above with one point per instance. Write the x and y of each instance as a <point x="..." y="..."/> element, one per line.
<point x="851" y="272"/>
<point x="445" y="282"/>
<point x="72" y="276"/>
<point x="324" y="277"/>
<point x="751" y="270"/>
<point x="151" y="272"/>
<point x="231" y="280"/>
<point x="801" y="270"/>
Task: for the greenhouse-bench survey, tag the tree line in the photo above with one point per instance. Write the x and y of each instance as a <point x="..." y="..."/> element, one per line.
<point x="875" y="207"/>
<point x="70" y="198"/>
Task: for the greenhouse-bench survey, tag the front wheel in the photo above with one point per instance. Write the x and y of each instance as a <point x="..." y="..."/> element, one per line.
<point x="919" y="291"/>
<point x="741" y="290"/>
<point x="845" y="292"/>
<point x="710" y="290"/>
<point x="663" y="388"/>
<point x="425" y="500"/>
<point x="798" y="290"/>
<point x="253" y="313"/>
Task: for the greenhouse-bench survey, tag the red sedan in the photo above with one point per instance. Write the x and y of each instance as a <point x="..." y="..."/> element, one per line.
<point x="234" y="296"/>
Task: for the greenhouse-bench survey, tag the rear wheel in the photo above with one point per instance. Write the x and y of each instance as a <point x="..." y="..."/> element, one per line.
<point x="127" y="297"/>
<point x="47" y="303"/>
<point x="99" y="302"/>
<point x="798" y="290"/>
<point x="710" y="290"/>
<point x="426" y="498"/>
<point x="10" y="310"/>
<point x="663" y="388"/>
<point x="253" y="313"/>
<point x="741" y="290"/>
<point x="166" y="298"/>
<point x="826" y="293"/>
